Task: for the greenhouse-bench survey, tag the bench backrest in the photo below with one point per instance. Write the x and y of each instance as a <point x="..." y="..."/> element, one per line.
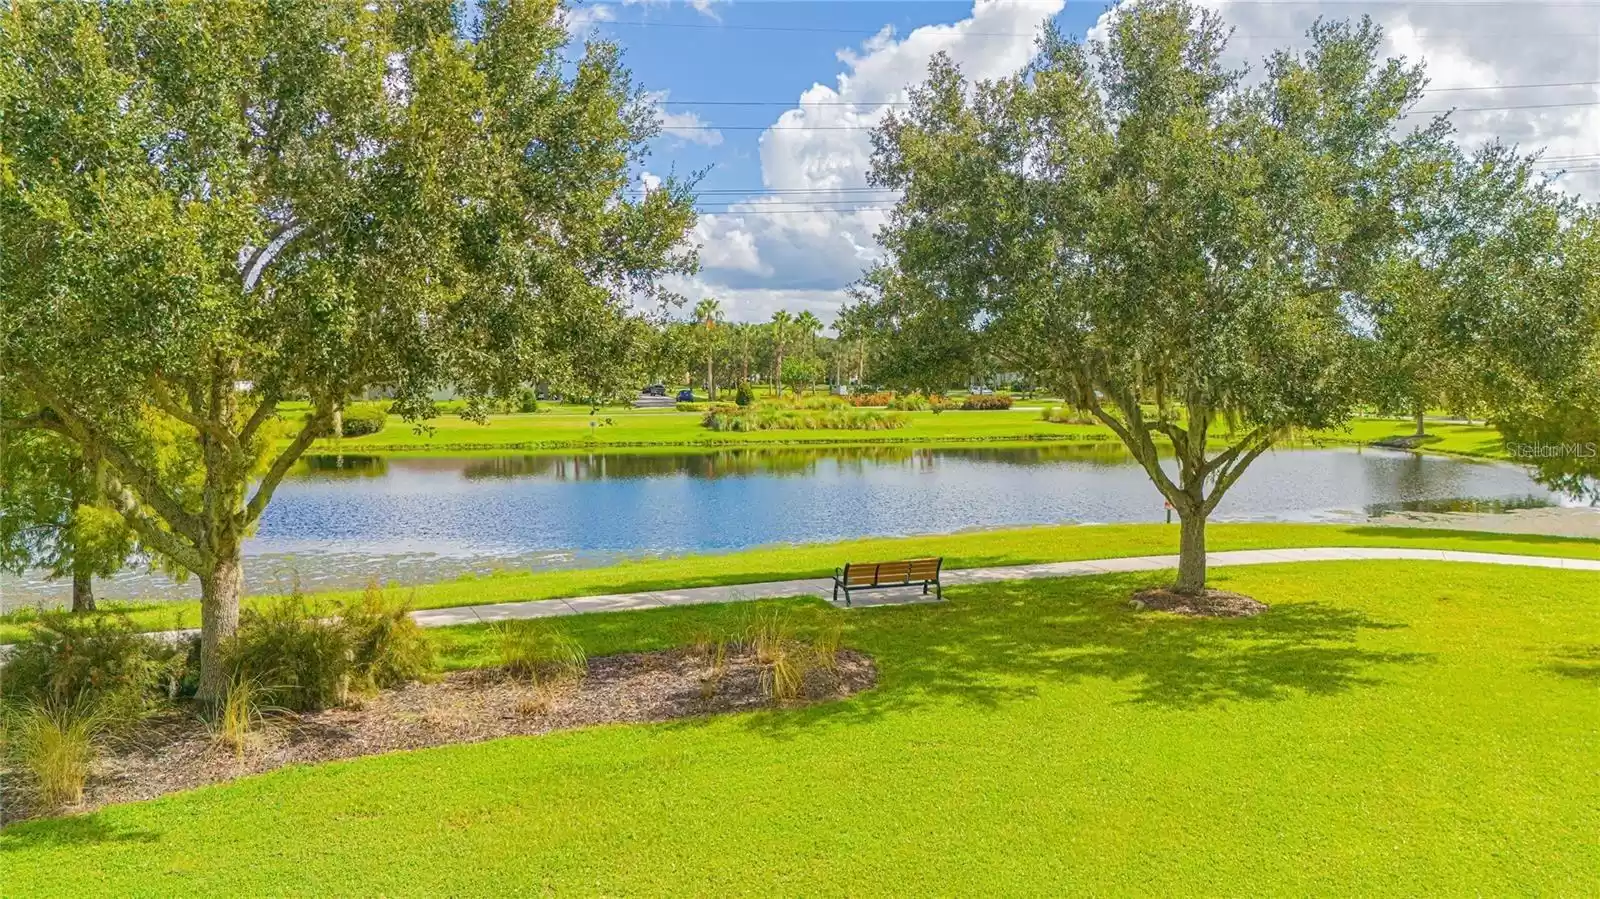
<point x="873" y="574"/>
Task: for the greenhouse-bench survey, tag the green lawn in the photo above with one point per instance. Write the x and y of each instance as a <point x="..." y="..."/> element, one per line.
<point x="566" y="428"/>
<point x="974" y="549"/>
<point x="1387" y="728"/>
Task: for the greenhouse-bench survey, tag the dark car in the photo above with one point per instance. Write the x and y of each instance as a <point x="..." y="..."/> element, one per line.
<point x="656" y="390"/>
<point x="686" y="396"/>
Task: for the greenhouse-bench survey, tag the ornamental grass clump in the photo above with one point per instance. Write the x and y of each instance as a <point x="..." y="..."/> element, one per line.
<point x="388" y="647"/>
<point x="50" y="745"/>
<point x="300" y="654"/>
<point x="541" y="653"/>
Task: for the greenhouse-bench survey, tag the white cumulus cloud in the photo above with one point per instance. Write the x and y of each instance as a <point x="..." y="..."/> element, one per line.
<point x="812" y="232"/>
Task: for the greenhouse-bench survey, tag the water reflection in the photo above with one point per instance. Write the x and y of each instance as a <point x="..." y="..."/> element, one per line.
<point x="744" y="462"/>
<point x="340" y="520"/>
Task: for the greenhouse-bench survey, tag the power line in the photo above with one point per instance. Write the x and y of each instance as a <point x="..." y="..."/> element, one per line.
<point x="873" y="32"/>
<point x="869" y="127"/>
<point x="854" y="103"/>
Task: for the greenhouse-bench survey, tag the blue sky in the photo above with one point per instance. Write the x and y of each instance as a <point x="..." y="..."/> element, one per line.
<point x="788" y="221"/>
<point x="725" y="54"/>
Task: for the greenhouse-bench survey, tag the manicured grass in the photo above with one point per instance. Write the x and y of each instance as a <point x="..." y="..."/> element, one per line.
<point x="1387" y="728"/>
<point x="976" y="549"/>
<point x="566" y="428"/>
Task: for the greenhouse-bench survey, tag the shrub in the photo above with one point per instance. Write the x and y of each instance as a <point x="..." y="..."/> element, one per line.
<point x="301" y="659"/>
<point x="99" y="659"/>
<point x="53" y="743"/>
<point x="764" y="418"/>
<point x="707" y="407"/>
<point x="881" y="398"/>
<point x="1060" y="416"/>
<point x="743" y="396"/>
<point x="979" y="403"/>
<point x="388" y="647"/>
<point x="540" y="652"/>
<point x="361" y="419"/>
<point x="910" y="402"/>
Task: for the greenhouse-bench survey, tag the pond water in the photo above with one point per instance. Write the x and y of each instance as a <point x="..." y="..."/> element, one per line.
<point x="339" y="520"/>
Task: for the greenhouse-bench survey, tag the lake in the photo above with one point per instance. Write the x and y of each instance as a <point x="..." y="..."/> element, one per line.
<point x="339" y="520"/>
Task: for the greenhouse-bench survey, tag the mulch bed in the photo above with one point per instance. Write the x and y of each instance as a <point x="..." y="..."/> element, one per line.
<point x="176" y="751"/>
<point x="1206" y="604"/>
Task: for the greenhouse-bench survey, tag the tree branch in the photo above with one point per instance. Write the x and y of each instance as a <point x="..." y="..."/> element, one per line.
<point x="1234" y="471"/>
<point x="149" y="530"/>
<point x="96" y="443"/>
<point x="263" y="411"/>
<point x="166" y="402"/>
<point x="309" y="432"/>
<point x="1137" y="439"/>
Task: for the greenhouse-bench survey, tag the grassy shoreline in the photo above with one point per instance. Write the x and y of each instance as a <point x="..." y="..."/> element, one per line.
<point x="972" y="549"/>
<point x="633" y="431"/>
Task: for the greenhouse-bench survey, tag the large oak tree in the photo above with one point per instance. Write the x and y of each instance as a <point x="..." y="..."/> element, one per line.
<point x="1181" y="249"/>
<point x="209" y="210"/>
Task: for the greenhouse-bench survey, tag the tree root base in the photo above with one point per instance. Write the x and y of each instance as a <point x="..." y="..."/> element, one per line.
<point x="1205" y="604"/>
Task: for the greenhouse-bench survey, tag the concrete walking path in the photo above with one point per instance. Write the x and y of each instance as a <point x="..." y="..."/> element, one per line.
<point x="823" y="587"/>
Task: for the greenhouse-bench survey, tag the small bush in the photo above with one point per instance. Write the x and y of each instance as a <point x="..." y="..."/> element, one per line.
<point x="743" y="396"/>
<point x="707" y="407"/>
<point x="881" y="398"/>
<point x="764" y="418"/>
<point x="540" y="652"/>
<point x="361" y="419"/>
<point x="300" y="655"/>
<point x="911" y="403"/>
<point x="388" y="647"/>
<point x="1060" y="416"/>
<point x="53" y="743"/>
<point x="982" y="403"/>
<point x="100" y="659"/>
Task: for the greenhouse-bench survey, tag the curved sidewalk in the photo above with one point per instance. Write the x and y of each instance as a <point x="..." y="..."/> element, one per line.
<point x="823" y="587"/>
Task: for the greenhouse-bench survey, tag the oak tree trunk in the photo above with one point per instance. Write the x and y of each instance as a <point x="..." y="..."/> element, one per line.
<point x="1191" y="552"/>
<point x="1422" y="424"/>
<point x="82" y="587"/>
<point x="220" y="590"/>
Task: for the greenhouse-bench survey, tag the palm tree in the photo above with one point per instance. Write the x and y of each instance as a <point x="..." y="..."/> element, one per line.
<point x="808" y="325"/>
<point x="708" y="312"/>
<point x="780" y="327"/>
<point x="742" y="334"/>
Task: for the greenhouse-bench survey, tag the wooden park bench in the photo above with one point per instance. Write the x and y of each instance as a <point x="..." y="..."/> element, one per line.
<point x="855" y="576"/>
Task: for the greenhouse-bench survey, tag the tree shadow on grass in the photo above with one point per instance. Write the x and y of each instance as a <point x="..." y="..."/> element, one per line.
<point x="1576" y="661"/>
<point x="1000" y="643"/>
<point x="77" y="831"/>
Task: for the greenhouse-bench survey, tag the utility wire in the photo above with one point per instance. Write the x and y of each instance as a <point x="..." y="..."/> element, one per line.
<point x="853" y="103"/>
<point x="869" y="127"/>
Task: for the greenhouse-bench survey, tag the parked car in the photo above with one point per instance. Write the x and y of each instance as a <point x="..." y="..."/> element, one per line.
<point x="980" y="391"/>
<point x="686" y="396"/>
<point x="656" y="390"/>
